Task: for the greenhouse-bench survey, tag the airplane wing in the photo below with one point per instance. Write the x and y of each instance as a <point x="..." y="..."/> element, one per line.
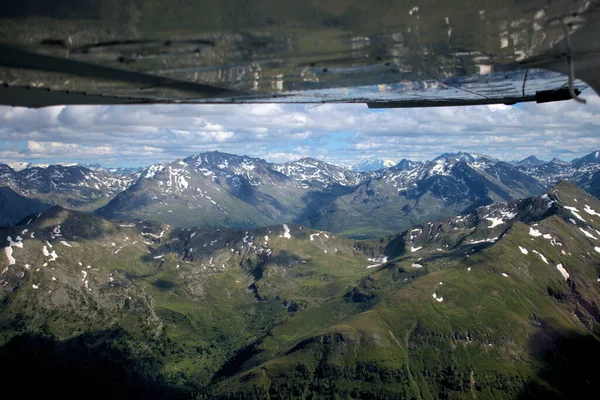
<point x="406" y="53"/>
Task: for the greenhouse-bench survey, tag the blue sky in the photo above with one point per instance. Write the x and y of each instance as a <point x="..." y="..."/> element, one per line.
<point x="345" y="134"/>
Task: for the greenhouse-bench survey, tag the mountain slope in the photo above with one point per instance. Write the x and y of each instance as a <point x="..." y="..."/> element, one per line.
<point x="550" y="173"/>
<point x="588" y="181"/>
<point x="579" y="171"/>
<point x="312" y="171"/>
<point x="14" y="207"/>
<point x="592" y="158"/>
<point x="175" y="303"/>
<point x="225" y="190"/>
<point x="74" y="187"/>
<point x="501" y="302"/>
<point x="448" y="185"/>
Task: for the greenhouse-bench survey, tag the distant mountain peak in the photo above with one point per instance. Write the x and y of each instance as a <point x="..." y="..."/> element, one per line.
<point x="531" y="161"/>
<point x="405" y="164"/>
<point x="465" y="156"/>
<point x="309" y="159"/>
<point x="5" y="168"/>
<point x="373" y="165"/>
<point x="592" y="158"/>
<point x="217" y="157"/>
<point x="556" y="160"/>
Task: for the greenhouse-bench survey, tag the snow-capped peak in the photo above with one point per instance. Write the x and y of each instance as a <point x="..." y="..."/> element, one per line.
<point x="309" y="170"/>
<point x="466" y="157"/>
<point x="373" y="165"/>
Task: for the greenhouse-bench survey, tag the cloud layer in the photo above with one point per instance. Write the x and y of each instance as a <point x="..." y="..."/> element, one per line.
<point x="340" y="133"/>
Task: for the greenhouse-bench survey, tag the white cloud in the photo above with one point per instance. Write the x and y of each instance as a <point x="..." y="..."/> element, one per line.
<point x="342" y="133"/>
<point x="42" y="149"/>
<point x="282" y="157"/>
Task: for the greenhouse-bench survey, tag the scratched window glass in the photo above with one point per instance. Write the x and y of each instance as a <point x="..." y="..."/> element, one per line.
<point x="306" y="199"/>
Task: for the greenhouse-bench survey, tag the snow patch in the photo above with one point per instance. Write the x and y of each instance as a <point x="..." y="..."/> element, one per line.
<point x="541" y="256"/>
<point x="378" y="261"/>
<point x="586" y="233"/>
<point x="575" y="212"/>
<point x="491" y="240"/>
<point x="495" y="222"/>
<point x="590" y="211"/>
<point x="53" y="256"/>
<point x="56" y="232"/>
<point x="8" y="250"/>
<point x="286" y="232"/>
<point x="534" y="232"/>
<point x="523" y="250"/>
<point x="563" y="271"/>
<point x="18" y="242"/>
<point x="154" y="236"/>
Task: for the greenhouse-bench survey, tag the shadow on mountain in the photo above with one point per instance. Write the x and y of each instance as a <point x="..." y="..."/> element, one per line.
<point x="236" y="363"/>
<point x="164" y="285"/>
<point x="73" y="225"/>
<point x="14" y="207"/>
<point x="96" y="365"/>
<point x="315" y="199"/>
<point x="568" y="366"/>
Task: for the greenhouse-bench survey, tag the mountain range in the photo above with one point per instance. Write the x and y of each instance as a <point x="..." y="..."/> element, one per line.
<point x="498" y="302"/>
<point x="225" y="190"/>
<point x="74" y="187"/>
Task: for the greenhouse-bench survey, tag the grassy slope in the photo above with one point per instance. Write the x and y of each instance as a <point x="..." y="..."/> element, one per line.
<point x="307" y="321"/>
<point x="486" y="338"/>
<point x="194" y="319"/>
